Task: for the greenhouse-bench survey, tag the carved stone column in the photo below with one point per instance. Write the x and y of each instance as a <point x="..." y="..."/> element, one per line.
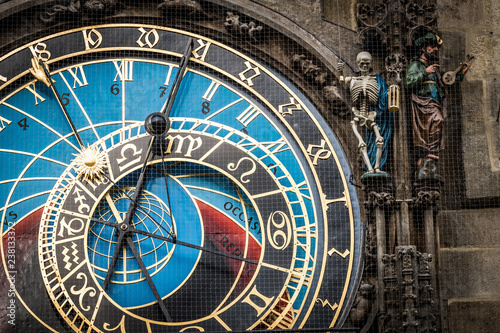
<point x="380" y="203"/>
<point x="426" y="197"/>
<point x="408" y="292"/>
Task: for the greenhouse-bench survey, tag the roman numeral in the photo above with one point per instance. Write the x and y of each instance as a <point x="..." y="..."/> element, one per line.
<point x="255" y="294"/>
<point x="124" y="70"/>
<point x="74" y="73"/>
<point x="4" y="123"/>
<point x="31" y="88"/>
<point x="212" y="89"/>
<point x="169" y="75"/>
<point x="247" y="116"/>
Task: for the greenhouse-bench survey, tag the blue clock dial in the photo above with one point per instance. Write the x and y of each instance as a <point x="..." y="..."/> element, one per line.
<point x="229" y="212"/>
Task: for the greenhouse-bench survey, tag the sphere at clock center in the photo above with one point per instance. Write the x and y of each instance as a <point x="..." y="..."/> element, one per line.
<point x="164" y="260"/>
<point x="157" y="124"/>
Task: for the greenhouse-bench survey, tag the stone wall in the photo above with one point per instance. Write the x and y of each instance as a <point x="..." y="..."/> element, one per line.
<point x="470" y="238"/>
<point x="474" y="28"/>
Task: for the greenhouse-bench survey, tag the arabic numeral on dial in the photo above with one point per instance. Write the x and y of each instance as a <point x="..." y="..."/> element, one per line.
<point x="205" y="107"/>
<point x="40" y="51"/>
<point x="65" y="99"/>
<point x="115" y="90"/>
<point x="23" y="123"/>
<point x="163" y="91"/>
<point x="12" y="213"/>
<point x="279" y="230"/>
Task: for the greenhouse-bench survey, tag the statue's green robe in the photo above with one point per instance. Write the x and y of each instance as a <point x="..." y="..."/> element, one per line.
<point x="428" y="112"/>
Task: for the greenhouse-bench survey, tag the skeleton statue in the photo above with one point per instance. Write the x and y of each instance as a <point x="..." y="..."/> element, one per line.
<point x="369" y="97"/>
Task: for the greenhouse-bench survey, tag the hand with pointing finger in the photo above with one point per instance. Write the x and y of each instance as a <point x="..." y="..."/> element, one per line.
<point x="432" y="69"/>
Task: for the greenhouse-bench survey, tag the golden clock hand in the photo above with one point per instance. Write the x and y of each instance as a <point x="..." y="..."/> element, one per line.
<point x="40" y="71"/>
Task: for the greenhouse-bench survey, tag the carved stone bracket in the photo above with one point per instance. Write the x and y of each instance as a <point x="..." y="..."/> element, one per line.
<point x="427" y="198"/>
<point x="72" y="7"/>
<point x="380" y="199"/>
<point x="185" y="7"/>
<point x="380" y="193"/>
<point x="250" y="30"/>
<point x="308" y="69"/>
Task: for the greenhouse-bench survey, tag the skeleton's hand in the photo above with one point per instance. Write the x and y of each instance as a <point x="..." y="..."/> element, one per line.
<point x="340" y="66"/>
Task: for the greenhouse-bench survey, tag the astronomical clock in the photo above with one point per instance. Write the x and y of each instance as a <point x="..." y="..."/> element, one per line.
<point x="162" y="179"/>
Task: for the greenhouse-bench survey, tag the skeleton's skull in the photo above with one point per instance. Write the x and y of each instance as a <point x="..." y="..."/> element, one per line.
<point x="364" y="61"/>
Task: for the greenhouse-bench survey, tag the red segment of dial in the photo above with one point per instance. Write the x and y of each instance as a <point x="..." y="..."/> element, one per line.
<point x="229" y="237"/>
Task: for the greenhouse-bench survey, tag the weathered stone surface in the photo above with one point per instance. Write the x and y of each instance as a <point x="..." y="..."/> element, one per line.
<point x="492" y="8"/>
<point x="484" y="47"/>
<point x="309" y="15"/>
<point x="469" y="228"/>
<point x="458" y="13"/>
<point x="481" y="179"/>
<point x="473" y="316"/>
<point x="341" y="12"/>
<point x="470" y="273"/>
<point x="471" y="27"/>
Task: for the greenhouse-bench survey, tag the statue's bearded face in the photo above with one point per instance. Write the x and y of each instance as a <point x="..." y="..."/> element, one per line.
<point x="431" y="53"/>
<point x="364" y="61"/>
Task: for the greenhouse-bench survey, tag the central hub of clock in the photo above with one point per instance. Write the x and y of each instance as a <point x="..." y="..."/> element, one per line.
<point x="157" y="124"/>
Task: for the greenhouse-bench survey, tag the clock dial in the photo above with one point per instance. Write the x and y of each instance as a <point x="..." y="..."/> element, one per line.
<point x="173" y="188"/>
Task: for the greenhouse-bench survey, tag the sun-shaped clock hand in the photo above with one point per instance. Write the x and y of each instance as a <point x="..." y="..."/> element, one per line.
<point x="40" y="71"/>
<point x="91" y="160"/>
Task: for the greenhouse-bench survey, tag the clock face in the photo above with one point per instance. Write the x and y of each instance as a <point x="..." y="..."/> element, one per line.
<point x="169" y="183"/>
